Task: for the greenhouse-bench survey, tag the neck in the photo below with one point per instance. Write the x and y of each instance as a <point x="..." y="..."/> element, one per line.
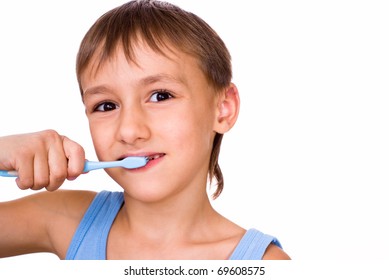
<point x="175" y="218"/>
<point x="181" y="227"/>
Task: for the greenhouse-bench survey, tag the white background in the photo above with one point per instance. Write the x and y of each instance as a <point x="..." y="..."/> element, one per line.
<point x="308" y="160"/>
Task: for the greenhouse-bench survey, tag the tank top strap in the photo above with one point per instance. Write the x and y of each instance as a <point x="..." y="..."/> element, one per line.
<point x="253" y="245"/>
<point x="90" y="239"/>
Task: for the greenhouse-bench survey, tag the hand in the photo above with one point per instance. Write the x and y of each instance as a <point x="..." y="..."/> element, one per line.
<point x="43" y="159"/>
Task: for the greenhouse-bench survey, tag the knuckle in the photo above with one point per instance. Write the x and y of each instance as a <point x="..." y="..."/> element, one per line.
<point x="52" y="188"/>
<point x="37" y="188"/>
<point x="25" y="183"/>
<point x="79" y="150"/>
<point x="36" y="142"/>
<point x="41" y="182"/>
<point x="57" y="177"/>
<point x="75" y="170"/>
<point x="50" y="134"/>
<point x="73" y="148"/>
<point x="57" y="181"/>
<point x="45" y="137"/>
<point x="24" y="187"/>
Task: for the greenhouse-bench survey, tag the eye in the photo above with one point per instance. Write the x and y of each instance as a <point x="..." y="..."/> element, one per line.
<point x="105" y="106"/>
<point x="160" y="95"/>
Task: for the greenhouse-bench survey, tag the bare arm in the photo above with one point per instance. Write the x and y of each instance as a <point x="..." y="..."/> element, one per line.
<point x="43" y="222"/>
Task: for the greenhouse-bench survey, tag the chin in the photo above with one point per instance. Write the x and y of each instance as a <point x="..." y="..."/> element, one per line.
<point x="149" y="197"/>
<point x="146" y="192"/>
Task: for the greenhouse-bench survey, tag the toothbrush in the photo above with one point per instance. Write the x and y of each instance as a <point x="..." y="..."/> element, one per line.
<point x="128" y="162"/>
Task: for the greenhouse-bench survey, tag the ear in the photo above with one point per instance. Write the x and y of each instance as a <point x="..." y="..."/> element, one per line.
<point x="227" y="109"/>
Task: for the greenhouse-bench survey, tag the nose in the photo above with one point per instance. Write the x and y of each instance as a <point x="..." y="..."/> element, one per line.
<point x="132" y="126"/>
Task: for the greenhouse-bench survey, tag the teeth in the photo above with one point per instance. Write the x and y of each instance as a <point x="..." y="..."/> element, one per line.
<point x="155" y="156"/>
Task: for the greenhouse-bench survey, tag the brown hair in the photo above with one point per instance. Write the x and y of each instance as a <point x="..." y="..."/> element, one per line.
<point x="160" y="24"/>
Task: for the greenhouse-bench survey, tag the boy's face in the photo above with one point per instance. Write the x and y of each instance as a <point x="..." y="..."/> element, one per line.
<point x="159" y="106"/>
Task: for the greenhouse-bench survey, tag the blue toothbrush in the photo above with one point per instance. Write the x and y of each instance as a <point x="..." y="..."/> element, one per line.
<point x="128" y="162"/>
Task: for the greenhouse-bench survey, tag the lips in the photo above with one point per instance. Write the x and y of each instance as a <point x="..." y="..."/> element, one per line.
<point x="149" y="156"/>
<point x="155" y="156"/>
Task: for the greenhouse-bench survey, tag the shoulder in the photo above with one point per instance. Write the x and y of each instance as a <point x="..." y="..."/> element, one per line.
<point x="273" y="252"/>
<point x="64" y="211"/>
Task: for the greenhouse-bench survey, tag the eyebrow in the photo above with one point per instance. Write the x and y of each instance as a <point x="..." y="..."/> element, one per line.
<point x="149" y="80"/>
<point x="160" y="77"/>
<point x="94" y="90"/>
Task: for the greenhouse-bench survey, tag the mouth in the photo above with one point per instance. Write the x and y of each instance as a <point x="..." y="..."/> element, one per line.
<point x="155" y="156"/>
<point x="149" y="157"/>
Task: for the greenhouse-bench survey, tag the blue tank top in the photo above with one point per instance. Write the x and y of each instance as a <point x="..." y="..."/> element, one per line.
<point x="90" y="239"/>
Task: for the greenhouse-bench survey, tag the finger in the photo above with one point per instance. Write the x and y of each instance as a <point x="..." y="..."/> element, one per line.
<point x="76" y="158"/>
<point x="41" y="172"/>
<point x="57" y="163"/>
<point x="25" y="170"/>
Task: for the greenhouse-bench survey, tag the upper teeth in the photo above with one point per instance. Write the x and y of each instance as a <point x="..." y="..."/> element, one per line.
<point x="155" y="156"/>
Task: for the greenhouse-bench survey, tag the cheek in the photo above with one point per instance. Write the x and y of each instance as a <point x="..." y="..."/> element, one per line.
<point x="101" y="138"/>
<point x="192" y="133"/>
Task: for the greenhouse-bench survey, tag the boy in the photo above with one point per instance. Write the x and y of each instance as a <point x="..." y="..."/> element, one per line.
<point x="156" y="82"/>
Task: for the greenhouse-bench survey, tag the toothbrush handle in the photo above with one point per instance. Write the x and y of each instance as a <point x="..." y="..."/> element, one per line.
<point x="89" y="166"/>
<point x="6" y="173"/>
<point x="93" y="165"/>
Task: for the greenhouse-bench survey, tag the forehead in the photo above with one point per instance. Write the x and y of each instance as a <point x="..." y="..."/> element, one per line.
<point x="166" y="63"/>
